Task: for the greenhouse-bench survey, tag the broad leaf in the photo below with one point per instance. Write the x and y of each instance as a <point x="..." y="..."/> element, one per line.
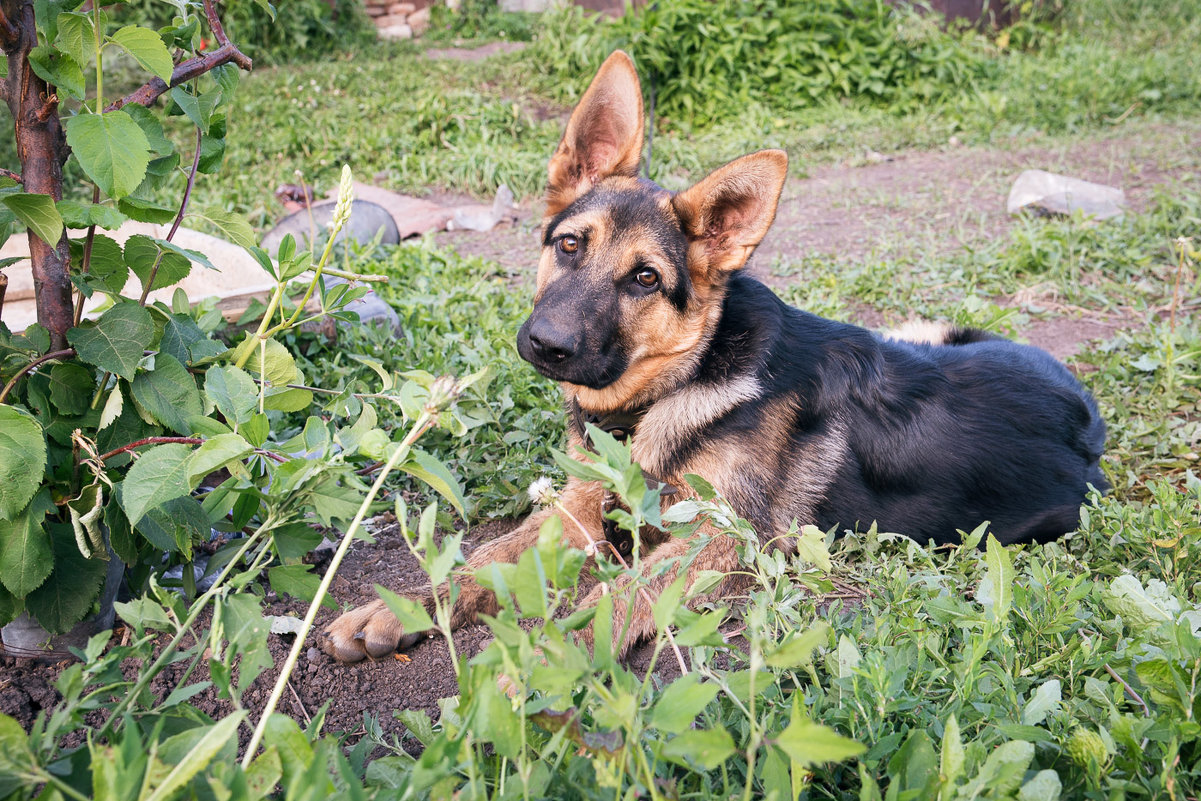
<point x="411" y="614"/>
<point x="168" y="393"/>
<point x="808" y="743"/>
<point x="65" y="598"/>
<point x="299" y="581"/>
<point x="147" y="48"/>
<point x="39" y="214"/>
<point x="216" y="453"/>
<point x="995" y="592"/>
<point x="75" y="36"/>
<point x="681" y="703"/>
<point x="115" y="343"/>
<point x="1044" y="701"/>
<point x="58" y="69"/>
<point x="22" y="460"/>
<point x="158" y="476"/>
<point x="26" y="553"/>
<point x="234" y="226"/>
<point x="425" y="467"/>
<point x="111" y="148"/>
<point x="71" y="387"/>
<point x="702" y="748"/>
<point x="143" y="252"/>
<point x="198" y="758"/>
<point x="233" y="392"/>
<point x="78" y="215"/>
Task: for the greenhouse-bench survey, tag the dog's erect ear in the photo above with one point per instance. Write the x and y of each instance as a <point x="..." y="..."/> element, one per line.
<point x="728" y="213"/>
<point x="603" y="137"/>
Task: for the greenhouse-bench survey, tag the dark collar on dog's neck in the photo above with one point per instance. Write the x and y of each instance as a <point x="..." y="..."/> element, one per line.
<point x="620" y="424"/>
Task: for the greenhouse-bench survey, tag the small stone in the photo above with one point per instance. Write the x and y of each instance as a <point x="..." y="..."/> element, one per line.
<point x="1046" y="194"/>
<point x="376" y="11"/>
<point x="390" y="20"/>
<point x="419" y="21"/>
<point x="402" y="9"/>
<point x="396" y="32"/>
<point x="312" y="654"/>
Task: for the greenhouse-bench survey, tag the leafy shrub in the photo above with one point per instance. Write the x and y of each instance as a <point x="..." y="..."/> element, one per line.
<point x="296" y="30"/>
<point x="709" y="59"/>
<point x="480" y="19"/>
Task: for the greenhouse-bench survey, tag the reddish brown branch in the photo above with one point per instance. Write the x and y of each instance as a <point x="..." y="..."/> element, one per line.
<point x="210" y="13"/>
<point x="49" y="106"/>
<point x="9" y="35"/>
<point x="192" y="68"/>
<point x="104" y="457"/>
<point x="10" y="174"/>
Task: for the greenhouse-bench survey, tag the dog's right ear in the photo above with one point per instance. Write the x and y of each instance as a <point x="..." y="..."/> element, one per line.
<point x="603" y="136"/>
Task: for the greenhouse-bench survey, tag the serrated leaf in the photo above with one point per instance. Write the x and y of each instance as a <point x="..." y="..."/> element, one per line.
<point x="79" y="215"/>
<point x="152" y="128"/>
<point x="169" y="393"/>
<point x="75" y="36"/>
<point x="681" y="702"/>
<point x="22" y="460"/>
<point x="58" y="69"/>
<point x="147" y="48"/>
<point x="234" y="226"/>
<point x="143" y="252"/>
<point x="116" y="341"/>
<point x="26" y="552"/>
<point x="232" y="391"/>
<point x="71" y="387"/>
<point x="65" y="598"/>
<point x="107" y="265"/>
<point x="111" y="148"/>
<point x="811" y="547"/>
<point x="158" y="476"/>
<point x="702" y="748"/>
<point x="38" y="213"/>
<point x="215" y="453"/>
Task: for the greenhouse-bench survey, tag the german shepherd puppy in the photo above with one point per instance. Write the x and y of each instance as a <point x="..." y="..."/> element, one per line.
<point x="645" y="317"/>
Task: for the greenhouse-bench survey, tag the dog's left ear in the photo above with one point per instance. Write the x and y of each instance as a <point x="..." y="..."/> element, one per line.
<point x="728" y="213"/>
<point x="603" y="136"/>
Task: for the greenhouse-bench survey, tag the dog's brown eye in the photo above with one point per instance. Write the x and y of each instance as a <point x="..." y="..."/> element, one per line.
<point x="647" y="278"/>
<point x="569" y="244"/>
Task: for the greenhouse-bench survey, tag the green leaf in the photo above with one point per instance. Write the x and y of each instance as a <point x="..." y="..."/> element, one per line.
<point x="39" y="214"/>
<point x="22" y="460"/>
<point x="26" y="552"/>
<point x="107" y="265"/>
<point x="146" y="211"/>
<point x="141" y="254"/>
<point x="116" y="341"/>
<point x="950" y="765"/>
<point x="1043" y="786"/>
<point x="811" y="547"/>
<point x="808" y="743"/>
<point x="1044" y="701"/>
<point x="111" y="148"/>
<point x="158" y="476"/>
<point x="71" y="387"/>
<point x="76" y="36"/>
<point x="66" y="597"/>
<point x="233" y="392"/>
<point x="175" y="525"/>
<point x="16" y="756"/>
<point x="78" y="215"/>
<point x="168" y="393"/>
<point x="427" y="468"/>
<point x="701" y="748"/>
<point x="411" y="614"/>
<point x="147" y="48"/>
<point x="995" y="592"/>
<point x="797" y="650"/>
<point x="234" y="226"/>
<point x="681" y="702"/>
<point x="152" y="128"/>
<point x="299" y="581"/>
<point x="58" y="69"/>
<point x="215" y="738"/>
<point x="216" y="453"/>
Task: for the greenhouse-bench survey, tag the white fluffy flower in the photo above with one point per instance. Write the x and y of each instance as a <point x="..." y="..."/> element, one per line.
<point x="542" y="492"/>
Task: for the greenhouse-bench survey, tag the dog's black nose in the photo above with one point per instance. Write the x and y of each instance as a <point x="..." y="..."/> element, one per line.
<point x="550" y="344"/>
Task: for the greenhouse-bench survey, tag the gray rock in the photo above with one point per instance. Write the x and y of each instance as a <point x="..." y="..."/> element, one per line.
<point x="483" y="218"/>
<point x="366" y="220"/>
<point x="1046" y="194"/>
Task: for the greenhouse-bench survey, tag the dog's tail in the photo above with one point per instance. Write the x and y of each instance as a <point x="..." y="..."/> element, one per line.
<point x="925" y="332"/>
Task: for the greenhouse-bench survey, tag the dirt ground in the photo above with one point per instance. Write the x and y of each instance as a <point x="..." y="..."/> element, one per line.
<point x="894" y="208"/>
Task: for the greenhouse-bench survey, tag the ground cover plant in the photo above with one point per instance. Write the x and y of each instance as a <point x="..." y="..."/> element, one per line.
<point x="868" y="667"/>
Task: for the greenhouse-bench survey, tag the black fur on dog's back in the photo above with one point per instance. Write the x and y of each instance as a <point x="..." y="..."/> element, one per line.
<point x="933" y="438"/>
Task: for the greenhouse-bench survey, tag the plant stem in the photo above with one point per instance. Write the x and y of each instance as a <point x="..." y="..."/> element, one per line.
<point x="169" y="651"/>
<point x="54" y="354"/>
<point x="85" y="266"/>
<point x="419" y="427"/>
<point x="183" y="207"/>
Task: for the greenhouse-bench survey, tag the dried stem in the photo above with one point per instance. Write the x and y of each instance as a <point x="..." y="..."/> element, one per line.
<point x="149" y="441"/>
<point x="10" y="174"/>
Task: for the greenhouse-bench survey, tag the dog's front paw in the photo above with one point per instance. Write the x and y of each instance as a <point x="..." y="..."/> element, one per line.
<point x="370" y="630"/>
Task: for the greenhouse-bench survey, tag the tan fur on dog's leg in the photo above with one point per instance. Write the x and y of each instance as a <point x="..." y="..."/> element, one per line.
<point x="373" y="630"/>
<point x="720" y="554"/>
